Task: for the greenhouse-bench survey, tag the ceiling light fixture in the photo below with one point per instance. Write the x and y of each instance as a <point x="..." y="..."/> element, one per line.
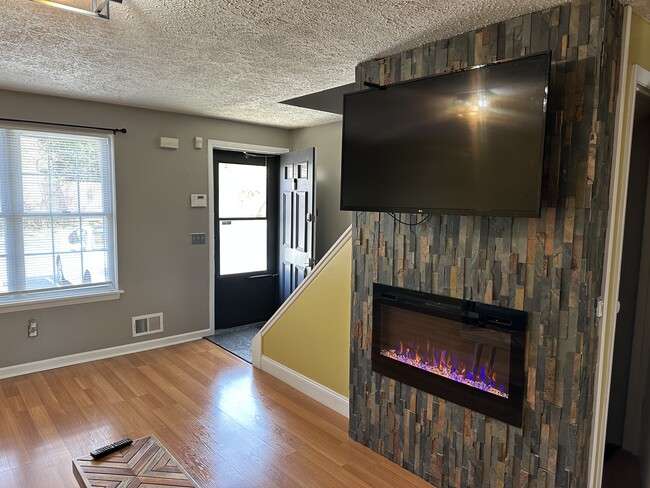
<point x="98" y="8"/>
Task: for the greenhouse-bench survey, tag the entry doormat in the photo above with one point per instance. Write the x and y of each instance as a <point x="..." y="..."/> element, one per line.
<point x="144" y="463"/>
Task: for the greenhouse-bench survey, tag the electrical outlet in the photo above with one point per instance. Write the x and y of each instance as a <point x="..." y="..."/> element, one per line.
<point x="32" y="328"/>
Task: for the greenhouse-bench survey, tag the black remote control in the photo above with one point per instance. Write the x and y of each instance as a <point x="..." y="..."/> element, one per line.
<point x="106" y="450"/>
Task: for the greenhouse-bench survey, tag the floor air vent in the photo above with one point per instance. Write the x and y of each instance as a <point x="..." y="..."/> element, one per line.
<point x="147" y="324"/>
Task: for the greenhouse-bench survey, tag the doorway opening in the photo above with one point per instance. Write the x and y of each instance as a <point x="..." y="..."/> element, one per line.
<point x="256" y="217"/>
<point x="246" y="249"/>
<point x="627" y="451"/>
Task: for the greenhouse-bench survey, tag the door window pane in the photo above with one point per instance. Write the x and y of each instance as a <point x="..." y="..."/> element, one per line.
<point x="242" y="246"/>
<point x="242" y="191"/>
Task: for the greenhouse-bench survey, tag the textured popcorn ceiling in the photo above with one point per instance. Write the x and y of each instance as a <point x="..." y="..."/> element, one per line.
<point x="233" y="59"/>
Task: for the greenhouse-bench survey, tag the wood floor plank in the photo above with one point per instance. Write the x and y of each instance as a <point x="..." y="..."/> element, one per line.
<point x="323" y="467"/>
<point x="43" y="390"/>
<point x="230" y="426"/>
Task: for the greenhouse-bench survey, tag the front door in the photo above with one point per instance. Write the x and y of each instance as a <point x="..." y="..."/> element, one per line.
<point x="297" y="218"/>
<point x="246" y="288"/>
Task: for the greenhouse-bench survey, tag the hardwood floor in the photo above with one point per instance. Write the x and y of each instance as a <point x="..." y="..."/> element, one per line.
<point x="227" y="424"/>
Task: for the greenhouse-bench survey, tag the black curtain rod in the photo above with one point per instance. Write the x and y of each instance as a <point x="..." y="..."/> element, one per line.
<point x="114" y="131"/>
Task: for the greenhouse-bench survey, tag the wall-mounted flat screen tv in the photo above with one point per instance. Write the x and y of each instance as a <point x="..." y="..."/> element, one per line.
<point x="469" y="142"/>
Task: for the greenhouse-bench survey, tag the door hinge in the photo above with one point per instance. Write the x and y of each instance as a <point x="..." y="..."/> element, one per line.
<point x="599" y="308"/>
<point x="311" y="262"/>
<point x="310" y="217"/>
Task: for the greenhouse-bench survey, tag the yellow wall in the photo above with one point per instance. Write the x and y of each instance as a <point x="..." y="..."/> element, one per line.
<point x="639" y="42"/>
<point x="312" y="337"/>
<point x="639" y="53"/>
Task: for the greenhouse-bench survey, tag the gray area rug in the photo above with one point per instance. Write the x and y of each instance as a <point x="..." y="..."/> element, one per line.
<point x="237" y="340"/>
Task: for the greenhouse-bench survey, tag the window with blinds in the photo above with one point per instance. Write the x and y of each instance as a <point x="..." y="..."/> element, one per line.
<point x="57" y="232"/>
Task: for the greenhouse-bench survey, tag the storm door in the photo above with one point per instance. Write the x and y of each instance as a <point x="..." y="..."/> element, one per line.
<point x="246" y="288"/>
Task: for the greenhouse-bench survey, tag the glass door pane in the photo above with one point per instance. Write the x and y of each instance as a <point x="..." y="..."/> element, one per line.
<point x="242" y="246"/>
<point x="242" y="218"/>
<point x="242" y="191"/>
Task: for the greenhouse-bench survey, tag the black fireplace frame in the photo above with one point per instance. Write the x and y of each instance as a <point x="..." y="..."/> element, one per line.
<point x="469" y="314"/>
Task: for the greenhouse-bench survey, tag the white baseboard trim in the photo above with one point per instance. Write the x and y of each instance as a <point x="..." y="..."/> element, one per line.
<point x="109" y="352"/>
<point x="309" y="387"/>
<point x="256" y="350"/>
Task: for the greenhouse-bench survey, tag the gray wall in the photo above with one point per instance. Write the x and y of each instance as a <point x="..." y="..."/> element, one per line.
<point x="331" y="221"/>
<point x="158" y="269"/>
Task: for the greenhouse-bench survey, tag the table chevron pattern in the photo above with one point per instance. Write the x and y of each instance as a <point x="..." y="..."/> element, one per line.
<point x="144" y="463"/>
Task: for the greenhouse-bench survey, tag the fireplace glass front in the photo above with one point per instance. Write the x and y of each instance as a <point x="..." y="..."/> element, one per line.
<point x="466" y="352"/>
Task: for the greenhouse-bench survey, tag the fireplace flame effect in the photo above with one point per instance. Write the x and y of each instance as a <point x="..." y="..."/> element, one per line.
<point x="448" y="366"/>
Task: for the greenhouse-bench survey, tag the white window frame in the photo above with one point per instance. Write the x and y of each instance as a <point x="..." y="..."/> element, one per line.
<point x="80" y="294"/>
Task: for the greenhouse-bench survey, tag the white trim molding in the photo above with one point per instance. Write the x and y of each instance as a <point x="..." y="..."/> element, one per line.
<point x="61" y="301"/>
<point x="243" y="147"/>
<point x="211" y="248"/>
<point x="84" y="357"/>
<point x="309" y="387"/>
<point x="612" y="264"/>
<point x="226" y="146"/>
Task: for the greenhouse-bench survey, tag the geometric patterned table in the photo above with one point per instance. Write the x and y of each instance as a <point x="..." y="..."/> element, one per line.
<point x="145" y="462"/>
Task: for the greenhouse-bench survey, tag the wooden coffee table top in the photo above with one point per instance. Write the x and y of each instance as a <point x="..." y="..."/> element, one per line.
<point x="145" y="462"/>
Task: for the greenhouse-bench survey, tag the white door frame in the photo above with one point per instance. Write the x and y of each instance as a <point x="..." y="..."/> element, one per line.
<point x="613" y="253"/>
<point x="226" y="146"/>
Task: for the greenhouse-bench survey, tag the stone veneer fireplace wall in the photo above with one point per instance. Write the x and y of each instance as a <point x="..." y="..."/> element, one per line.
<point x="551" y="267"/>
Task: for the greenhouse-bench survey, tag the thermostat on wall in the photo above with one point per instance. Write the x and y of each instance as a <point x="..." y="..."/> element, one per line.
<point x="199" y="200"/>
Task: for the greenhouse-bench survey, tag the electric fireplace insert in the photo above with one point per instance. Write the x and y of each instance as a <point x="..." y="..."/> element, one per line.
<point x="469" y="353"/>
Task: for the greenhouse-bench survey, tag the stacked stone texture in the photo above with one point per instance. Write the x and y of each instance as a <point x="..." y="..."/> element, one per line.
<point x="549" y="266"/>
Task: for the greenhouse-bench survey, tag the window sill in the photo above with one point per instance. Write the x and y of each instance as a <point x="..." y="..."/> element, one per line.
<point x="59" y="302"/>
